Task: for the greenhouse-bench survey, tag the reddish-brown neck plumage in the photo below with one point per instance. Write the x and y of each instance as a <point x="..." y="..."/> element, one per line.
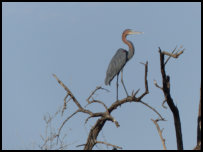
<point x="125" y="33"/>
<point x="130" y="45"/>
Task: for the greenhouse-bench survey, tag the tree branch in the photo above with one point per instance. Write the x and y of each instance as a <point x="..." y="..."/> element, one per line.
<point x="160" y="133"/>
<point x="176" y="55"/>
<point x="104" y="116"/>
<point x="198" y="146"/>
<point x="173" y="108"/>
<point x="66" y="121"/>
<point x="100" y="122"/>
<point x="101" y="142"/>
<point x="146" y="82"/>
<point x="161" y="118"/>
<point x="155" y="83"/>
<point x="68" y="91"/>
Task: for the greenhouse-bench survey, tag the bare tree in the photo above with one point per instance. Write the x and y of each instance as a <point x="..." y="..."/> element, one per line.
<point x="166" y="90"/>
<point x="105" y="116"/>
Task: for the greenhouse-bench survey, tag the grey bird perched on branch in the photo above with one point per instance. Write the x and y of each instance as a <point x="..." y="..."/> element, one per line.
<point x="119" y="60"/>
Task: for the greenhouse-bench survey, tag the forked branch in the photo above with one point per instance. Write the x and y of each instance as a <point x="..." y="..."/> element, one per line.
<point x="160" y="132"/>
<point x="103" y="116"/>
<point x="169" y="100"/>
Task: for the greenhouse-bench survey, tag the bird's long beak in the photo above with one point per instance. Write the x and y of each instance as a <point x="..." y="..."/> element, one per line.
<point x="135" y="32"/>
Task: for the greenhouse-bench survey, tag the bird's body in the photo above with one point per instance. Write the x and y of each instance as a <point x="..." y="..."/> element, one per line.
<point x="119" y="60"/>
<point x="117" y="63"/>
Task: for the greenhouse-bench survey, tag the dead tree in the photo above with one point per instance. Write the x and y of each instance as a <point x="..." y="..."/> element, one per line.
<point x="166" y="91"/>
<point x="103" y="116"/>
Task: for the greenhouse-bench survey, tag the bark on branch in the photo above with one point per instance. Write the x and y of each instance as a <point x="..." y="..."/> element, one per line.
<point x="160" y="132"/>
<point x="91" y="141"/>
<point x="198" y="146"/>
<point x="104" y="116"/>
<point x="169" y="100"/>
<point x="199" y="124"/>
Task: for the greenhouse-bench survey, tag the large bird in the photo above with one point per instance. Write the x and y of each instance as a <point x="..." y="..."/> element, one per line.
<point x="120" y="59"/>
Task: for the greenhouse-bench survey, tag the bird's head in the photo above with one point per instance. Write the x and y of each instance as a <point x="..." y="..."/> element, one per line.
<point x="129" y="31"/>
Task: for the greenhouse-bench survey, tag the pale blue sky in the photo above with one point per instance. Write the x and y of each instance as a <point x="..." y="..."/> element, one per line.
<point x="76" y="41"/>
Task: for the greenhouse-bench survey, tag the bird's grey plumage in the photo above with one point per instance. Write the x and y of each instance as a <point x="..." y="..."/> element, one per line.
<point x="117" y="63"/>
<point x="119" y="60"/>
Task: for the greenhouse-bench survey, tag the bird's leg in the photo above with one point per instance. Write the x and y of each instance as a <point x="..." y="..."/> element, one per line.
<point x="123" y="83"/>
<point x="117" y="89"/>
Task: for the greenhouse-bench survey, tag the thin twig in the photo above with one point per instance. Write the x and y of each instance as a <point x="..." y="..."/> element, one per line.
<point x="80" y="145"/>
<point x="134" y="94"/>
<point x="97" y="88"/>
<point x="160" y="133"/>
<point x="101" y="142"/>
<point x="93" y="92"/>
<point x="155" y="83"/>
<point x="69" y="92"/>
<point x="146" y="82"/>
<point x="66" y="121"/>
<point x="153" y="110"/>
<point x="64" y="105"/>
<point x="173" y="55"/>
<point x="164" y="105"/>
<point x="176" y="55"/>
<point x="97" y="101"/>
<point x="170" y="56"/>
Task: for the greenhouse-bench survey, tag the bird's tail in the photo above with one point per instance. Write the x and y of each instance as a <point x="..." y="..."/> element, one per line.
<point x="107" y="81"/>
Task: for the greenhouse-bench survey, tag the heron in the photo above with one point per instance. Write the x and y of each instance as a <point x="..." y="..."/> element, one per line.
<point x="119" y="60"/>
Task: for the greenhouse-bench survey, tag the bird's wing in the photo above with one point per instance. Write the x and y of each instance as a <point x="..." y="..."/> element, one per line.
<point x="117" y="63"/>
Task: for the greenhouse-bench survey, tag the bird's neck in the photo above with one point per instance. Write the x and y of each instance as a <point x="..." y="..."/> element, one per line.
<point x="130" y="45"/>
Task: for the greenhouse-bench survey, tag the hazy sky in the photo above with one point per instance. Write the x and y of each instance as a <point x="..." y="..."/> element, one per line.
<point x="76" y="41"/>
